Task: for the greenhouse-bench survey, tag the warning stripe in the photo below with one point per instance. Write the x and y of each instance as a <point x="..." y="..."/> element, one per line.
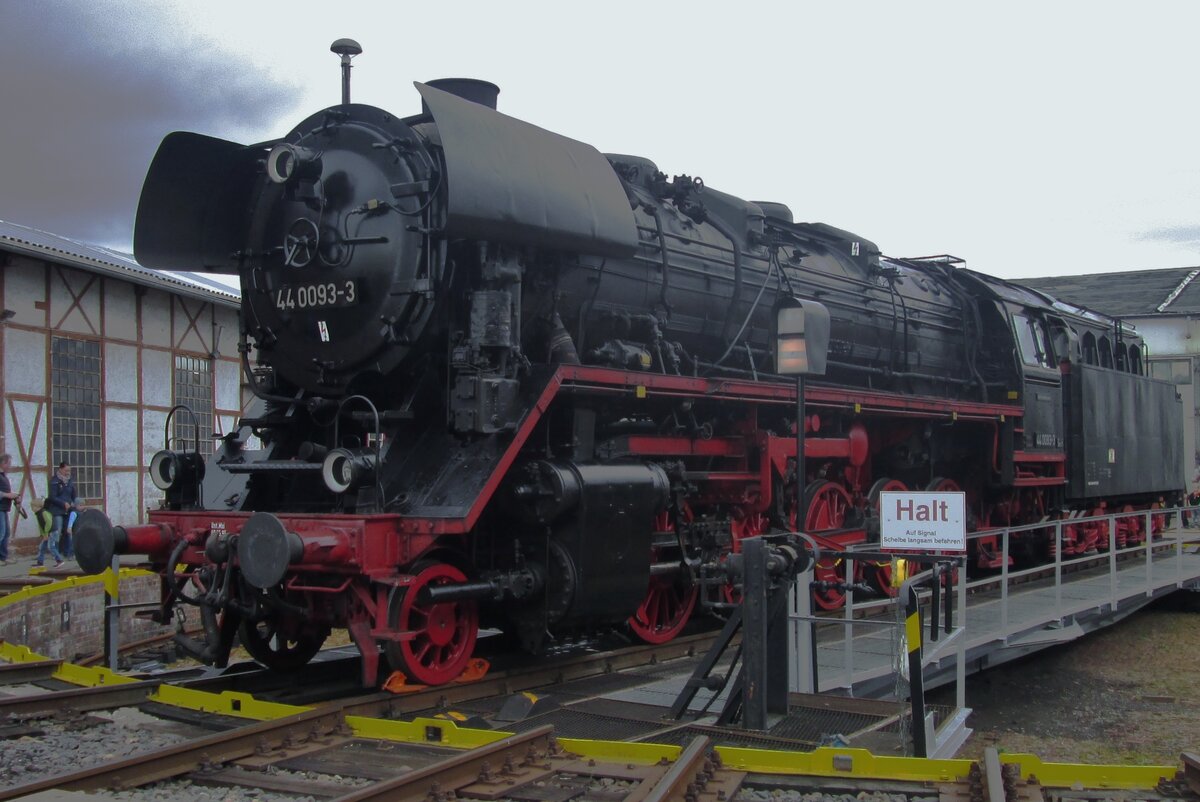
<point x="912" y="632"/>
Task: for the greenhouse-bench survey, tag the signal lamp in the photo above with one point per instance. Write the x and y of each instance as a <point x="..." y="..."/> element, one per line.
<point x="170" y="470"/>
<point x="802" y="344"/>
<point x="344" y="468"/>
<point x="286" y="162"/>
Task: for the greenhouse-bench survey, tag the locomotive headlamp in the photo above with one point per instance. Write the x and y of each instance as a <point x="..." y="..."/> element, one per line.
<point x="173" y="469"/>
<point x="286" y="162"/>
<point x="346" y="468"/>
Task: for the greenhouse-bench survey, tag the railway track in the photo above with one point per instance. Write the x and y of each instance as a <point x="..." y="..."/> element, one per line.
<point x="266" y="685"/>
<point x="534" y="766"/>
<point x="531" y="767"/>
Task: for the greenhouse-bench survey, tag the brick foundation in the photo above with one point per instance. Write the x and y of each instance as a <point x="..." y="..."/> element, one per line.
<point x="68" y="624"/>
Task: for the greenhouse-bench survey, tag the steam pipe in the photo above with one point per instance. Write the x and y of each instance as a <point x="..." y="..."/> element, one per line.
<point x="662" y="251"/>
<point x="720" y="225"/>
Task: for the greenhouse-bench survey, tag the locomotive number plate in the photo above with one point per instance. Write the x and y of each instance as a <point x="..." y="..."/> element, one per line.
<point x="317" y="296"/>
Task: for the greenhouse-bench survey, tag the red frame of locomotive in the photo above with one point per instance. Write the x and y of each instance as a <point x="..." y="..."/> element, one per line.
<point x="376" y="547"/>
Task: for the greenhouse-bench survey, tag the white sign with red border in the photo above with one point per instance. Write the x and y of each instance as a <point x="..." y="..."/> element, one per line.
<point x="926" y="521"/>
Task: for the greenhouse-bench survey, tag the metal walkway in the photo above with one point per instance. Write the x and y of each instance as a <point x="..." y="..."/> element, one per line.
<point x="996" y="619"/>
<point x="1009" y="615"/>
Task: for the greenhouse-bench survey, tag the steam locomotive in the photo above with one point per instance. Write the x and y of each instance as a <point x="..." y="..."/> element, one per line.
<point x="506" y="381"/>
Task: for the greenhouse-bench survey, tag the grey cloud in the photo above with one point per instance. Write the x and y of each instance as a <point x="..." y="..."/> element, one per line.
<point x="90" y="89"/>
<point x="1182" y="235"/>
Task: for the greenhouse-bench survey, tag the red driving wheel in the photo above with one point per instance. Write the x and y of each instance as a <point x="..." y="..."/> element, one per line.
<point x="669" y="601"/>
<point x="880" y="574"/>
<point x="828" y="504"/>
<point x="752" y="525"/>
<point x="440" y="637"/>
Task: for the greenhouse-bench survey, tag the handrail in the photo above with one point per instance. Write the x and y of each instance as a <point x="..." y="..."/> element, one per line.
<point x="1159" y="550"/>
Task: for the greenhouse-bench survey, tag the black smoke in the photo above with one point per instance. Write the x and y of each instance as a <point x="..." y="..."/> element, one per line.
<point x="89" y="90"/>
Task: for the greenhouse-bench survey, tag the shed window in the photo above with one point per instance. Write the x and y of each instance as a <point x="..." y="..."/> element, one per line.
<point x="194" y="387"/>
<point x="1106" y="356"/>
<point x="75" y="412"/>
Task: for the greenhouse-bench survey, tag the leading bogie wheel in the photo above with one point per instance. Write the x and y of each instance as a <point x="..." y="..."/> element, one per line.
<point x="281" y="645"/>
<point x="438" y="639"/>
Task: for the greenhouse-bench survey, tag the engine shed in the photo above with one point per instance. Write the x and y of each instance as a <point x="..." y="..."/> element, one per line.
<point x="96" y="349"/>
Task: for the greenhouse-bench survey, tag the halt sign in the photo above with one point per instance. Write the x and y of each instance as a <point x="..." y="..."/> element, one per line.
<point x="934" y="521"/>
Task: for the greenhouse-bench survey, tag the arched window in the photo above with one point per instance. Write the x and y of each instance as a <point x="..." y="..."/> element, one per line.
<point x="1090" y="355"/>
<point x="1135" y="360"/>
<point x="1106" y="355"/>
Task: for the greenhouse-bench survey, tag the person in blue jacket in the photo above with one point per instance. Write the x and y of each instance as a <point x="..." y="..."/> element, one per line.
<point x="61" y="500"/>
<point x="7" y="497"/>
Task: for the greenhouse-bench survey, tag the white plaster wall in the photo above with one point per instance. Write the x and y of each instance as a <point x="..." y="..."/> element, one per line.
<point x="25" y="285"/>
<point x="156" y="318"/>
<point x="24" y="361"/>
<point x="25" y="431"/>
<point x="228" y="385"/>
<point x="157" y="381"/>
<point x="1166" y="336"/>
<point x="152" y="433"/>
<point x="151" y="495"/>
<point x="227" y="331"/>
<point x="120" y="310"/>
<point x="121" y="432"/>
<point x="84" y="317"/>
<point x="121" y="497"/>
<point x="189" y="338"/>
<point x="120" y="373"/>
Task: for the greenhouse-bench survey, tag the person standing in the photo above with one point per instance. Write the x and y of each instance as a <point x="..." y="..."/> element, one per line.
<point x="7" y="497"/>
<point x="60" y="501"/>
<point x="45" y="522"/>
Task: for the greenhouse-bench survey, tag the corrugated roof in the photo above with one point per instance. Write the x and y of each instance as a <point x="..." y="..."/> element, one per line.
<point x="1137" y="293"/>
<point x="85" y="256"/>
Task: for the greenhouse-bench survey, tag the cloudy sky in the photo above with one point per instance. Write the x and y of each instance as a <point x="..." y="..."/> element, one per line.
<point x="1030" y="138"/>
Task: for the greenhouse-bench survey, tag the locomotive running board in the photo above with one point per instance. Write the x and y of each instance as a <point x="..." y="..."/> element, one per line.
<point x="460" y="480"/>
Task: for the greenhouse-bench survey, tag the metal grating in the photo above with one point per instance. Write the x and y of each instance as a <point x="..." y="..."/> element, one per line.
<point x="194" y="388"/>
<point x="940" y="713"/>
<point x="75" y="412"/>
<point x="812" y="724"/>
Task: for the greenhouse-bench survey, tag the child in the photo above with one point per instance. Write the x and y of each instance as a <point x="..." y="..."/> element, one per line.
<point x="45" y="522"/>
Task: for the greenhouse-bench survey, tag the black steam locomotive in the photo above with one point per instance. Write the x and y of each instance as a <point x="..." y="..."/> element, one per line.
<point x="505" y="380"/>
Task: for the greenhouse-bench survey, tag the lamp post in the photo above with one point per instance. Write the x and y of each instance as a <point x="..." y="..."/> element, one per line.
<point x="801" y="346"/>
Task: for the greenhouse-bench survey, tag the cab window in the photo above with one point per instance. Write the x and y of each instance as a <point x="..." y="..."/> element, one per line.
<point x="1032" y="342"/>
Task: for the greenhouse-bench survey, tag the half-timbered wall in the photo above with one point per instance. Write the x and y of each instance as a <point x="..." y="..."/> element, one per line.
<point x="141" y="331"/>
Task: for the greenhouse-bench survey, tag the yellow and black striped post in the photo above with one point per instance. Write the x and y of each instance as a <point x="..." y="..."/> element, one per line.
<point x="112" y="614"/>
<point x="916" y="679"/>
